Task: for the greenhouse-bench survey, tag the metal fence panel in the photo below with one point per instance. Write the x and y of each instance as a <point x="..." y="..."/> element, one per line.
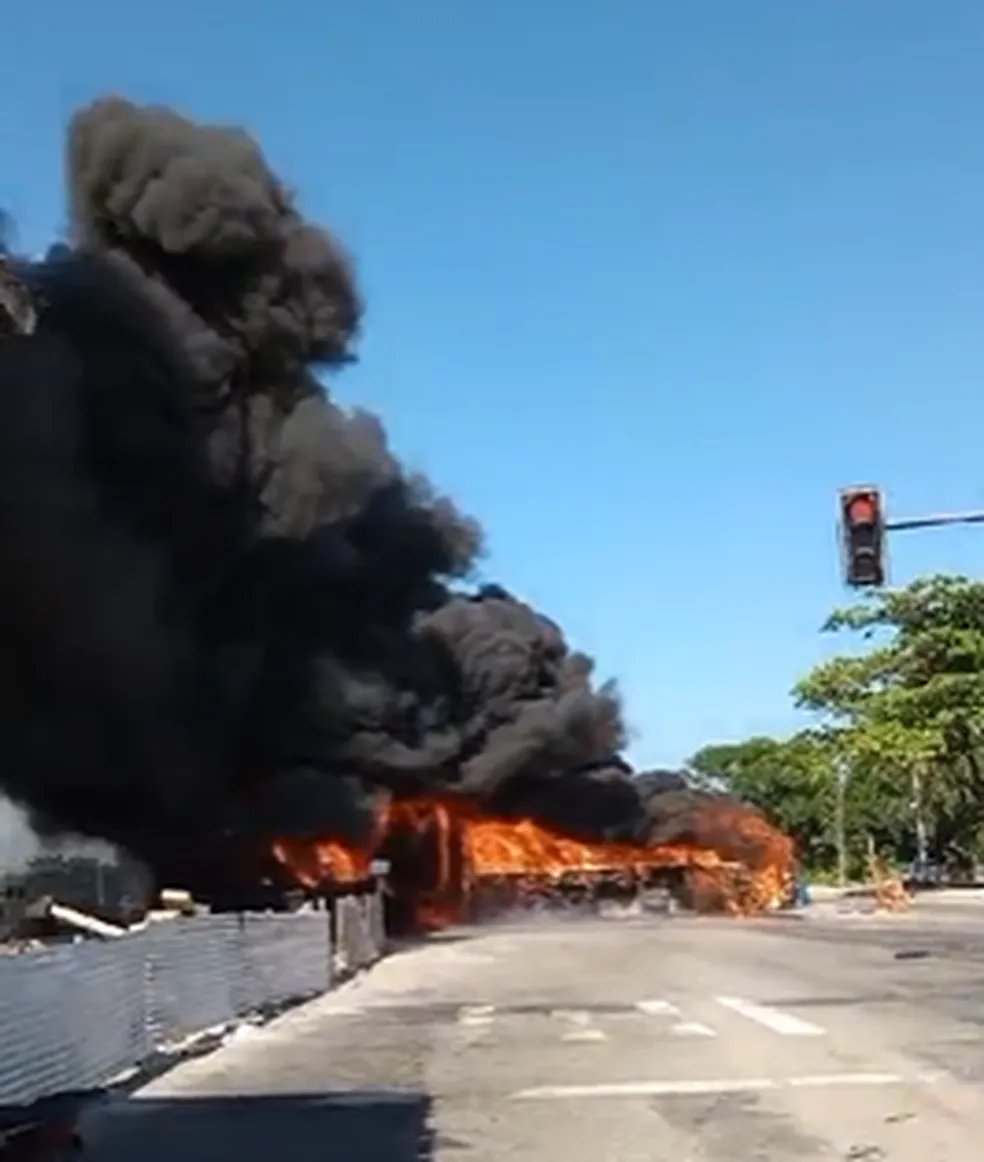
<point x="76" y="1016"/>
<point x="284" y="958"/>
<point x="192" y="966"/>
<point x="70" y="1017"/>
<point x="105" y="1009"/>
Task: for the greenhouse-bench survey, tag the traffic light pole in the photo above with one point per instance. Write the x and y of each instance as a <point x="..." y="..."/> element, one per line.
<point x="863" y="524"/>
<point x="974" y="517"/>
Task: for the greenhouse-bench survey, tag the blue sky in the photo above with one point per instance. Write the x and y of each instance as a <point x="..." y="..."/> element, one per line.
<point x="647" y="283"/>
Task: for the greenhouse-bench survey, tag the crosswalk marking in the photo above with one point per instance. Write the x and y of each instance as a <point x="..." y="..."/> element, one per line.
<point x="692" y="1029"/>
<point x="589" y="1034"/>
<point x="775" y="1019"/>
<point x="572" y="1016"/>
<point x="657" y="1008"/>
<point x="682" y="1028"/>
<point x="580" y="1025"/>
<point x="583" y="1030"/>
<point x="476" y="1015"/>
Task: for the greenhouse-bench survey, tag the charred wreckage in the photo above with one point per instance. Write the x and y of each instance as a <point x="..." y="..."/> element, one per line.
<point x="238" y="637"/>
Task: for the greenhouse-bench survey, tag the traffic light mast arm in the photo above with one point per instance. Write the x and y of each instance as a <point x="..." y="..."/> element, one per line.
<point x="974" y="517"/>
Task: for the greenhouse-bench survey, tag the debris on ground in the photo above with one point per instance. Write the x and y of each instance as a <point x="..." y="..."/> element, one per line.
<point x="890" y="893"/>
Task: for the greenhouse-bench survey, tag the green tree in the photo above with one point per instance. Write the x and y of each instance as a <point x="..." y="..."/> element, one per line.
<point x="907" y="714"/>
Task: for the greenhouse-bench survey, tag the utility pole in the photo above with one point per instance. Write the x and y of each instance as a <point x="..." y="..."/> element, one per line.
<point x="922" y="838"/>
<point x="841" y="823"/>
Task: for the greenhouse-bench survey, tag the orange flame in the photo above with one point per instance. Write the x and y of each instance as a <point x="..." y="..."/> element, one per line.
<point x="324" y="861"/>
<point x="737" y="862"/>
<point x="524" y="847"/>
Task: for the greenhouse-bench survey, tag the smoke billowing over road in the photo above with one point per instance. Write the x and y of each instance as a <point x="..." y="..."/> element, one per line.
<point x="225" y="607"/>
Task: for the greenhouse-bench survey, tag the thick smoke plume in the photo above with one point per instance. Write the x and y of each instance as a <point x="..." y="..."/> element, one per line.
<point x="225" y="608"/>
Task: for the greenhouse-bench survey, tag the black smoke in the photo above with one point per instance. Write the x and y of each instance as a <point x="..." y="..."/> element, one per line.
<point x="225" y="608"/>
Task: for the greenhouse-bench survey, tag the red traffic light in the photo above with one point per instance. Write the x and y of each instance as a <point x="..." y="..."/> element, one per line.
<point x="862" y="536"/>
<point x="862" y="510"/>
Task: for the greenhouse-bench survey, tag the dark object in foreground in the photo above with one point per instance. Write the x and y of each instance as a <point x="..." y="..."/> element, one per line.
<point x="346" y="1126"/>
<point x="912" y="954"/>
<point x="18" y="315"/>
<point x="45" y="1130"/>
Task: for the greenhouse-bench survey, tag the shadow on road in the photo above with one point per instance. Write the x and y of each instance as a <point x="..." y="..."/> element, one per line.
<point x="359" y="1126"/>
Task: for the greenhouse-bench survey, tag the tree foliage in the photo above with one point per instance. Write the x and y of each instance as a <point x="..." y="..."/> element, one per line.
<point x="901" y="719"/>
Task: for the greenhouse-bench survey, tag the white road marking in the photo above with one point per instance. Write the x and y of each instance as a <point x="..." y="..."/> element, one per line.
<point x="583" y="1029"/>
<point x="715" y="1085"/>
<point x="472" y="1015"/>
<point x="812" y="1081"/>
<point x="573" y="1016"/>
<point x="584" y="1035"/>
<point x="774" y="1019"/>
<point x="692" y="1029"/>
<point x="682" y="1028"/>
<point x="657" y="1008"/>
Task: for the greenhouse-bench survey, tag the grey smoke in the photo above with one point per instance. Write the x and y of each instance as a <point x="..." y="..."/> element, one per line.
<point x="20" y="844"/>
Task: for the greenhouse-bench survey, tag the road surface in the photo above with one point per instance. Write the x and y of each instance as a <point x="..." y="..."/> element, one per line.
<point x="642" y="1039"/>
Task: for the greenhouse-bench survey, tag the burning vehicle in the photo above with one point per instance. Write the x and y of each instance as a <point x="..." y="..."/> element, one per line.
<point x="449" y="862"/>
<point x="239" y="639"/>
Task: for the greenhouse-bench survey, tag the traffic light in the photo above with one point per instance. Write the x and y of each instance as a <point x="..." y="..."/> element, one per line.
<point x="863" y="536"/>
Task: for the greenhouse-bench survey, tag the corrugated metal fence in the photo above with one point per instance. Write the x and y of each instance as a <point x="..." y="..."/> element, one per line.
<point x="77" y="1015"/>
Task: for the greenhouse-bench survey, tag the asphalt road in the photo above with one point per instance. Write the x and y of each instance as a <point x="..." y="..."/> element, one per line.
<point x="607" y="1039"/>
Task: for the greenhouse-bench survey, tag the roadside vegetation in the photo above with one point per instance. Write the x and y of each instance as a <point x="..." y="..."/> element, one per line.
<point x="892" y="762"/>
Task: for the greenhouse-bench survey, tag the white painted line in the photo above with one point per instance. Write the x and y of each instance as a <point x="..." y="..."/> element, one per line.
<point x="583" y="1029"/>
<point x="774" y="1019"/>
<point x="714" y="1085"/>
<point x="476" y="1015"/>
<point x="647" y="1088"/>
<point x="812" y="1082"/>
<point x="573" y="1016"/>
<point x="657" y="1008"/>
<point x="692" y="1029"/>
<point x="584" y="1035"/>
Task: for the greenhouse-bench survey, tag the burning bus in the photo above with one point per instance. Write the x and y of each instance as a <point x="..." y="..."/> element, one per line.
<point x="448" y="862"/>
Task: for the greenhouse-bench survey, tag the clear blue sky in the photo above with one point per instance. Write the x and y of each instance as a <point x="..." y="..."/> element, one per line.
<point x="647" y="282"/>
